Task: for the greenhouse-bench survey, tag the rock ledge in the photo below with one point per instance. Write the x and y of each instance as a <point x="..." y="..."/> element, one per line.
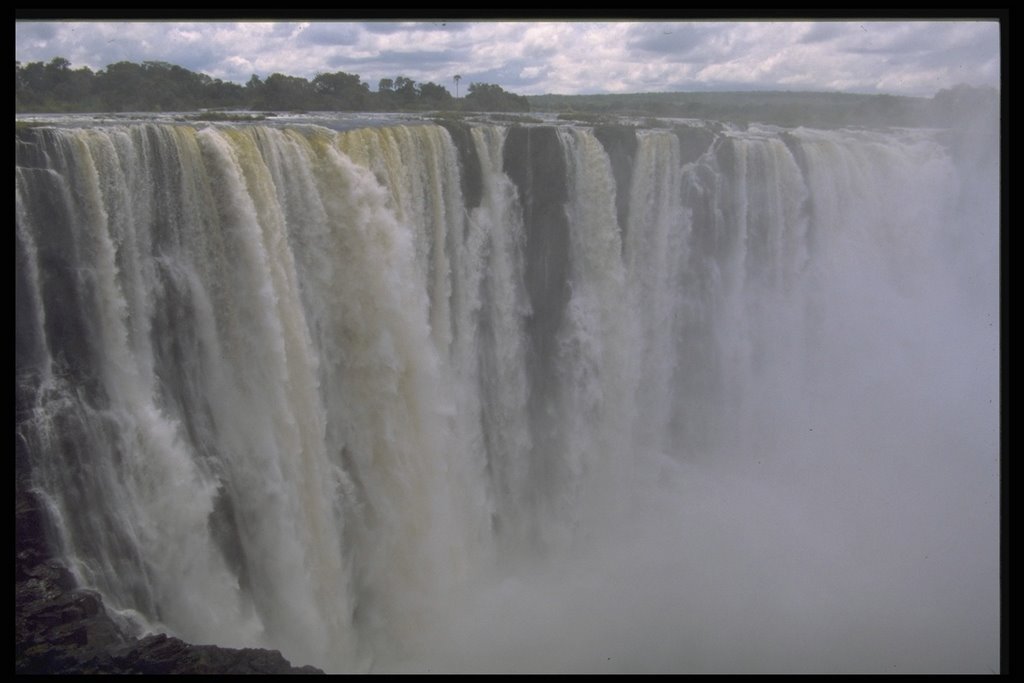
<point x="62" y="629"/>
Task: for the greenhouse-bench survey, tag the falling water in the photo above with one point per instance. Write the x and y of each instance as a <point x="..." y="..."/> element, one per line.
<point x="486" y="398"/>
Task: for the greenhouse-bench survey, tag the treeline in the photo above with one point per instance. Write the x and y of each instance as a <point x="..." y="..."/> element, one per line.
<point x="817" y="109"/>
<point x="159" y="86"/>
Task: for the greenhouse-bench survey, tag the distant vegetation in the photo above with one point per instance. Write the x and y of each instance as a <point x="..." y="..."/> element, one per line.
<point x="55" y="87"/>
<point x="816" y="109"/>
<point x="224" y="116"/>
<point x="159" y="86"/>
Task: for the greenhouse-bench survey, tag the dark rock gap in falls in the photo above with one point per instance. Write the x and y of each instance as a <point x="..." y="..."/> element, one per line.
<point x="620" y="144"/>
<point x="693" y="142"/>
<point x="535" y="161"/>
<point x="469" y="163"/>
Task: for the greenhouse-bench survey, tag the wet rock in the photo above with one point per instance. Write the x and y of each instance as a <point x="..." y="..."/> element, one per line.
<point x="62" y="629"/>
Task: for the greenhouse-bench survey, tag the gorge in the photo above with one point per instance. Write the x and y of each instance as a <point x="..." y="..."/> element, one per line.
<point x="474" y="395"/>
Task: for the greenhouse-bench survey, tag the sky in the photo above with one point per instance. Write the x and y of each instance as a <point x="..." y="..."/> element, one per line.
<point x="564" y="57"/>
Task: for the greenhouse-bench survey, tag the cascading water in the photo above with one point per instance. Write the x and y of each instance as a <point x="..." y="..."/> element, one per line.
<point x="530" y="398"/>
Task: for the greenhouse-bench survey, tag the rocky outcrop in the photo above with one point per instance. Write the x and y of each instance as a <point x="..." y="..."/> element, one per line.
<point x="62" y="629"/>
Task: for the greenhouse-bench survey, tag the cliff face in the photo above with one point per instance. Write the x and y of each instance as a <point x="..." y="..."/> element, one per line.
<point x="62" y="629"/>
<point x="334" y="391"/>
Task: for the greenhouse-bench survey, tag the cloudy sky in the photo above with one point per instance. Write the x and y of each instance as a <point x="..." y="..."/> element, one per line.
<point x="568" y="57"/>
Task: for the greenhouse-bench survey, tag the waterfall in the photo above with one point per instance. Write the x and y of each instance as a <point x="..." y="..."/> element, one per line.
<point x="486" y="397"/>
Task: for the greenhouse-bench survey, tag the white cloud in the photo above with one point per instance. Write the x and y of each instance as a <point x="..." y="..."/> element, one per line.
<point x="567" y="57"/>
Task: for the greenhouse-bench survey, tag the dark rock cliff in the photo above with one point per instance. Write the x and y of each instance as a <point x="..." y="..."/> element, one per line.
<point x="60" y="628"/>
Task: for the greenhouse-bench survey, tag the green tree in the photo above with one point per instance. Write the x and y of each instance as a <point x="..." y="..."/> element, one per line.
<point x="156" y="85"/>
<point x="123" y="86"/>
<point x="289" y="93"/>
<point x="405" y="91"/>
<point x="341" y="91"/>
<point x="173" y="88"/>
<point x="76" y="89"/>
<point x="30" y="86"/>
<point x="433" y="96"/>
<point x="220" y="93"/>
<point x="490" y="97"/>
<point x="385" y="94"/>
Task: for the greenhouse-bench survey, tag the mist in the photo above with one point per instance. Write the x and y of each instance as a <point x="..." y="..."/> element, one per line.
<point x="477" y="397"/>
<point x="846" y="517"/>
